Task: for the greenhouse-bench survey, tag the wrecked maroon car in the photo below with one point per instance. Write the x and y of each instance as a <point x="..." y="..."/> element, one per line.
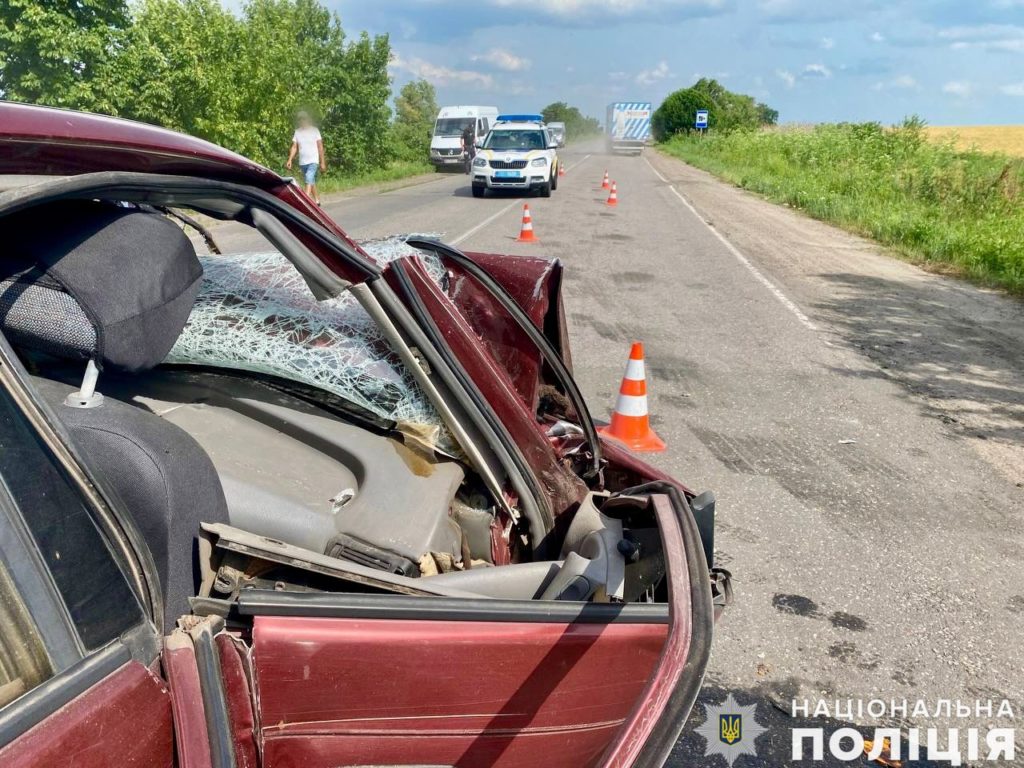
<point x="331" y="504"/>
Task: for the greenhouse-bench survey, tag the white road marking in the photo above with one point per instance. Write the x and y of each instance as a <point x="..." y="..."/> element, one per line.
<point x="758" y="275"/>
<point x="491" y="219"/>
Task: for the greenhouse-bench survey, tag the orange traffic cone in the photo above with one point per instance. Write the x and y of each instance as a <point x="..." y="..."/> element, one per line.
<point x="561" y="170"/>
<point x="613" y="196"/>
<point x="631" y="423"/>
<point x="606" y="184"/>
<point x="526" y="232"/>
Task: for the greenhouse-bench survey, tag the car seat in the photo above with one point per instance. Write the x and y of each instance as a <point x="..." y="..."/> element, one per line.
<point x="112" y="287"/>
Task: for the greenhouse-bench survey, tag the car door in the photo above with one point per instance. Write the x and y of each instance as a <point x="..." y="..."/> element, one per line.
<point x="78" y="658"/>
<point x="345" y="680"/>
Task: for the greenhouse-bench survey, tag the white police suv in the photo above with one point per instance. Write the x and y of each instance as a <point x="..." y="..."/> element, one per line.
<point x="517" y="153"/>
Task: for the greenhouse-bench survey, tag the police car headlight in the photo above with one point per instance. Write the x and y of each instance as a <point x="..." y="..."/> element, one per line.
<point x="540" y="162"/>
<point x="480" y="162"/>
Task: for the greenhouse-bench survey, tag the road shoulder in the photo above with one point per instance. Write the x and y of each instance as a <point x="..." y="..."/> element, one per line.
<point x="955" y="349"/>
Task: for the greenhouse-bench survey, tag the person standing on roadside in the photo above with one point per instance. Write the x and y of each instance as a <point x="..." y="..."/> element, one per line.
<point x="309" y="145"/>
<point x="469" y="146"/>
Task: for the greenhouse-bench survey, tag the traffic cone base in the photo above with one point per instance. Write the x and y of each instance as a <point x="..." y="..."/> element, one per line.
<point x="649" y="443"/>
<point x="613" y="196"/>
<point x="526" y="234"/>
<point x="631" y="424"/>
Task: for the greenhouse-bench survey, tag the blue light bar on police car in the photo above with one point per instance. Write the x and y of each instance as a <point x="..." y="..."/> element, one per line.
<point x="520" y="118"/>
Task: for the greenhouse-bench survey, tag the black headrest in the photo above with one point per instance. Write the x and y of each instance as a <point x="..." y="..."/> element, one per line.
<point x="83" y="279"/>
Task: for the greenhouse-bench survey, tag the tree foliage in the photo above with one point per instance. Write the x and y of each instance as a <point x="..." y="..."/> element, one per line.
<point x="51" y="52"/>
<point x="193" y="66"/>
<point x="727" y="111"/>
<point x="577" y="126"/>
<point x="415" y="111"/>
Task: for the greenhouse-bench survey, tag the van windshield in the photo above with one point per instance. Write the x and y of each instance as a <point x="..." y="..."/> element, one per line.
<point x="453" y="126"/>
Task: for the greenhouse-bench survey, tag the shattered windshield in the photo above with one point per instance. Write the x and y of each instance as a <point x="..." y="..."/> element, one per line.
<point x="255" y="313"/>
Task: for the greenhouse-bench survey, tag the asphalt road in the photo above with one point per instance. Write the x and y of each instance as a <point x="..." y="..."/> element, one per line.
<point x="861" y="421"/>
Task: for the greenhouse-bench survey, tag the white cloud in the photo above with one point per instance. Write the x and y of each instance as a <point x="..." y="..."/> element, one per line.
<point x="877" y="37"/>
<point x="407" y="29"/>
<point x="959" y="88"/>
<point x="816" y="71"/>
<point x="439" y="74"/>
<point x="576" y="9"/>
<point x="651" y="76"/>
<point x="504" y="60"/>
<point x="898" y="83"/>
<point x="988" y="37"/>
<point x="1013" y="89"/>
<point x="786" y="77"/>
<point x="828" y="43"/>
<point x="809" y="11"/>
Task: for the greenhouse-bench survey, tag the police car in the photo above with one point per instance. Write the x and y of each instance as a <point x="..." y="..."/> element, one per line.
<point x="517" y="153"/>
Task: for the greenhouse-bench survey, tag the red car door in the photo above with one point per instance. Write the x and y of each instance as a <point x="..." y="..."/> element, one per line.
<point x="390" y="680"/>
<point x="78" y="659"/>
<point x="447" y="685"/>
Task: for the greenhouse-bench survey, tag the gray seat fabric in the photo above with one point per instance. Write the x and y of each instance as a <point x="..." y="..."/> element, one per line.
<point x="159" y="473"/>
<point x="122" y="282"/>
<point x="91" y="281"/>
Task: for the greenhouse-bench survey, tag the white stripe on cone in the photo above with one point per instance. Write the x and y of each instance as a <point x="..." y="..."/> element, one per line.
<point x="631" y="405"/>
<point x="634" y="370"/>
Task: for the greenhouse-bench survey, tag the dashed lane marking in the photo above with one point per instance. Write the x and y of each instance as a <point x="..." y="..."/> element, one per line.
<point x="502" y="211"/>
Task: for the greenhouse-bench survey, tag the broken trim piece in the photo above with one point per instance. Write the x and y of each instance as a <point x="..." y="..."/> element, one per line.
<point x="253" y="545"/>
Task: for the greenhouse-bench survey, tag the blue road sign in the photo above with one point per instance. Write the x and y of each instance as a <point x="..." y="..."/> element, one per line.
<point x="702" y="119"/>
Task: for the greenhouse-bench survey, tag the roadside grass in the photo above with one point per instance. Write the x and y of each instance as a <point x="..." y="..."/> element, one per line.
<point x="1008" y="139"/>
<point x="952" y="210"/>
<point x="333" y="181"/>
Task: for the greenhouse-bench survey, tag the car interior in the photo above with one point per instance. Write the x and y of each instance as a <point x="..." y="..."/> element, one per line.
<point x="239" y="479"/>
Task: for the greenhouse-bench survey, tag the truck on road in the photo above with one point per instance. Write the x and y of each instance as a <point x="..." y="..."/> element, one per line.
<point x="628" y="126"/>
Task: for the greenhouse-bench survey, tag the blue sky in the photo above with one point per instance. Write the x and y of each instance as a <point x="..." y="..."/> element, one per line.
<point x="952" y="62"/>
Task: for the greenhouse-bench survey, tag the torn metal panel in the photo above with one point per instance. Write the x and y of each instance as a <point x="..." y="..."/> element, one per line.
<point x="271" y="550"/>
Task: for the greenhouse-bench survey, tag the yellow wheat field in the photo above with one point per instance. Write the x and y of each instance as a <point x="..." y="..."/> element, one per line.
<point x="1008" y="139"/>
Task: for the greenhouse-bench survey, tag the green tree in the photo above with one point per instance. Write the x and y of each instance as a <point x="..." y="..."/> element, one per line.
<point x="766" y="115"/>
<point x="193" y="66"/>
<point x="355" y="103"/>
<point x="415" y="111"/>
<point x="238" y="81"/>
<point x="51" y="52"/>
<point x="577" y="126"/>
<point x="727" y="111"/>
<point x="179" y="69"/>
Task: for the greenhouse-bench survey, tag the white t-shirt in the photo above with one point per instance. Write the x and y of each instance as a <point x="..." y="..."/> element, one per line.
<point x="307" y="138"/>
